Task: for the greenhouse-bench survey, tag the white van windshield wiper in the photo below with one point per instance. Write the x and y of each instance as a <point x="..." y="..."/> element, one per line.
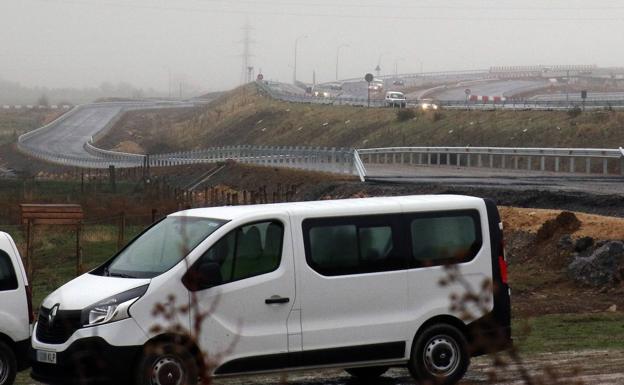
<point x="120" y="275"/>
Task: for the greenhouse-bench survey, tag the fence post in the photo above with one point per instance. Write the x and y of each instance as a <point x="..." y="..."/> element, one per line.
<point x="122" y="230"/>
<point x="78" y="249"/>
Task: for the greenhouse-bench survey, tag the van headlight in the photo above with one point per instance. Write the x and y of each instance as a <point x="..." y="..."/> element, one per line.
<point x="115" y="308"/>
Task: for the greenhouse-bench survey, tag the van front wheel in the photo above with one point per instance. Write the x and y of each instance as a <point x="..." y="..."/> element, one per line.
<point x="167" y="364"/>
<point x="367" y="373"/>
<point x="439" y="355"/>
<point x="8" y="364"/>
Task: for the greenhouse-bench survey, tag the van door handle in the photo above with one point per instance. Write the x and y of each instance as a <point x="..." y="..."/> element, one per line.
<point x="276" y="299"/>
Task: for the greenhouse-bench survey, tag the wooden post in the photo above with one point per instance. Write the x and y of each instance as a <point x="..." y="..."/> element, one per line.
<point x="78" y="250"/>
<point x="154" y="212"/>
<point x="29" y="240"/>
<point x="122" y="230"/>
<point x="111" y="178"/>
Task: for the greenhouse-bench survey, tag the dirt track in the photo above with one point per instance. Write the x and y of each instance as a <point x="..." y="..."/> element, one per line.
<point x="595" y="368"/>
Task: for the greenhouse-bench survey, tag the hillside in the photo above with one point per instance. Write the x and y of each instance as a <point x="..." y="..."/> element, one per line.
<point x="247" y="116"/>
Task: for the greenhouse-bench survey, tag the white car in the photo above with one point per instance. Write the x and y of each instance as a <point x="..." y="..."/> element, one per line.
<point x="396" y="99"/>
<point x="376" y="85"/>
<point x="351" y="284"/>
<point x="16" y="316"/>
<point x="428" y="105"/>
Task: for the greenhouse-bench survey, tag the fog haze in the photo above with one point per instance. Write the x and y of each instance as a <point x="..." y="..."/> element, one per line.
<point x="199" y="43"/>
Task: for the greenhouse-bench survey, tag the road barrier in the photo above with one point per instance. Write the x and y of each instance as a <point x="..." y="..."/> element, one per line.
<point x="339" y="160"/>
<point x="538" y="160"/>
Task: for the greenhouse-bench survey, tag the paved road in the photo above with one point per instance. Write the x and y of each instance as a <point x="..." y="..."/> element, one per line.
<point x="68" y="135"/>
<point x="576" y="96"/>
<point x="504" y="179"/>
<point x="507" y="88"/>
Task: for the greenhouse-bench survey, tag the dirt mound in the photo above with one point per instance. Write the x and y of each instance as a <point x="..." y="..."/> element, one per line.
<point x="564" y="223"/>
<point x="130" y="147"/>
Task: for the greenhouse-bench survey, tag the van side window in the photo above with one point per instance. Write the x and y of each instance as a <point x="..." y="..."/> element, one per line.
<point x="353" y="245"/>
<point x="8" y="279"/>
<point x="442" y="238"/>
<point x="246" y="252"/>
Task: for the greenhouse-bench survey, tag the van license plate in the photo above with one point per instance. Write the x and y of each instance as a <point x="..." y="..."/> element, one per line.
<point x="46" y="357"/>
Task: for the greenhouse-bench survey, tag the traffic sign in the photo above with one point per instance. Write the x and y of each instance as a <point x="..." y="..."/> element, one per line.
<point x="468" y="91"/>
<point x="260" y="77"/>
<point x="369" y="78"/>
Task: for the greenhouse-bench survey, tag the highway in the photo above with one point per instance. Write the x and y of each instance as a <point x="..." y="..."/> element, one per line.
<point x="67" y="136"/>
<point x="506" y="88"/>
<point x="495" y="178"/>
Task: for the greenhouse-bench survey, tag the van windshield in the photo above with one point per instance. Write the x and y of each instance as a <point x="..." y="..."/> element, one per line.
<point x="161" y="247"/>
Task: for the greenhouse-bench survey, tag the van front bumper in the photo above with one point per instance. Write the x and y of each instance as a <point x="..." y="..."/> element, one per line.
<point x="88" y="361"/>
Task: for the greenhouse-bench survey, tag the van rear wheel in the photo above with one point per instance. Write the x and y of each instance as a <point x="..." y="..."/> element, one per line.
<point x="8" y="364"/>
<point x="439" y="355"/>
<point x="167" y="363"/>
<point x="367" y="373"/>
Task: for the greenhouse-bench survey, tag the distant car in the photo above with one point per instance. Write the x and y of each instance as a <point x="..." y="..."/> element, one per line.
<point x="321" y="93"/>
<point x="396" y="99"/>
<point x="428" y="104"/>
<point x="335" y="87"/>
<point x="399" y="82"/>
<point x="376" y="85"/>
<point x="16" y="314"/>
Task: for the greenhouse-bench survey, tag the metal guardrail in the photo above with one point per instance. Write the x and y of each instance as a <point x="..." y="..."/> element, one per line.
<point x="585" y="160"/>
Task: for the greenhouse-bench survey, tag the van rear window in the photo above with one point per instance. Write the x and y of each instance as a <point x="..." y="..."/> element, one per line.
<point x="8" y="279"/>
<point x="443" y="238"/>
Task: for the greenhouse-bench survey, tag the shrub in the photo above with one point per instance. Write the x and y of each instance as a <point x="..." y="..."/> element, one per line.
<point x="405" y="114"/>
<point x="575" y="112"/>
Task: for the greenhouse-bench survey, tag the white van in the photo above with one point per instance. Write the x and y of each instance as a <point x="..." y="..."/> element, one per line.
<point x="351" y="284"/>
<point x="396" y="99"/>
<point x="16" y="316"/>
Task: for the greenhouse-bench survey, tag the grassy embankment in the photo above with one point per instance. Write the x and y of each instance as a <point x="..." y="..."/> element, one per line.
<point x="14" y="123"/>
<point x="246" y="116"/>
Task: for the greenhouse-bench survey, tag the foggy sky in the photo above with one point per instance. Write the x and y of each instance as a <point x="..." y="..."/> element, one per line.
<point x="83" y="43"/>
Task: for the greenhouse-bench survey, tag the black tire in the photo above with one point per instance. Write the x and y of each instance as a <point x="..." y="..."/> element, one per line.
<point x="161" y="360"/>
<point x="8" y="364"/>
<point x="439" y="356"/>
<point x="367" y="373"/>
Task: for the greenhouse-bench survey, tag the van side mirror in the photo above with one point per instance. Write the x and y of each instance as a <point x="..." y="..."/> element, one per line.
<point x="203" y="276"/>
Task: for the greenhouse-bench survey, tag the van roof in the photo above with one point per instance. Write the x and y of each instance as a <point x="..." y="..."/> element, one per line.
<point x="338" y="207"/>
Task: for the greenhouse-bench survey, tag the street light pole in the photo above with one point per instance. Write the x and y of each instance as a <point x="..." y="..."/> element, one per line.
<point x="295" y="66"/>
<point x="396" y="66"/>
<point x="338" y="56"/>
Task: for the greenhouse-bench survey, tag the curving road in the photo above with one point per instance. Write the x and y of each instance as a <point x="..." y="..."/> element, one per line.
<point x="69" y="135"/>
<point x="64" y="140"/>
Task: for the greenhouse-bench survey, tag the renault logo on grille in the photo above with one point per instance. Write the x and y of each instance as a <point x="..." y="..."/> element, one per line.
<point x="52" y="314"/>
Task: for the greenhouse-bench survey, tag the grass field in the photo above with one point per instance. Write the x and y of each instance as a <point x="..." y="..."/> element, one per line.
<point x="16" y="122"/>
